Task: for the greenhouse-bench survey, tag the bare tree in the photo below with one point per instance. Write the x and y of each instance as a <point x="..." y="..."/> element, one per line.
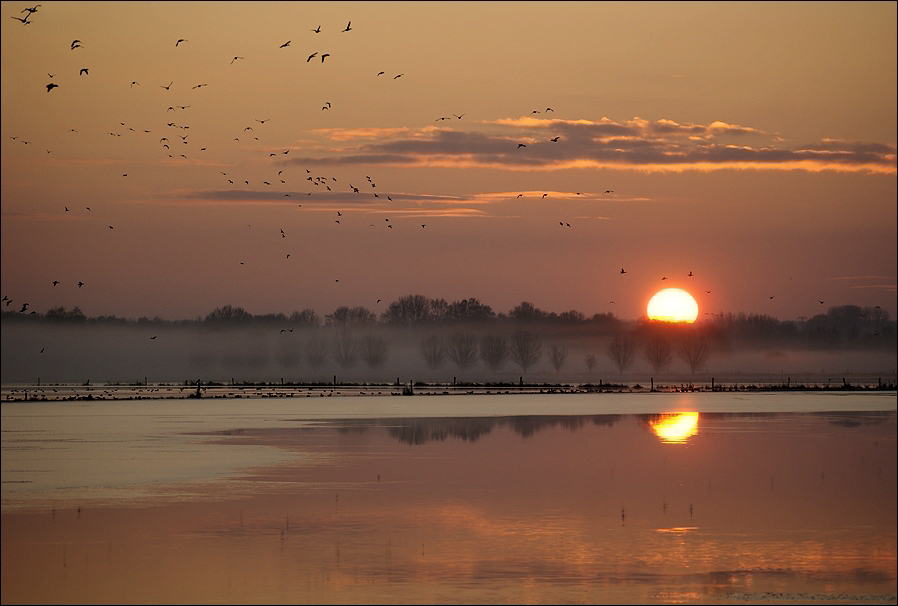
<point x="493" y="351"/>
<point x="591" y="362"/>
<point x="316" y="349"/>
<point x="658" y="352"/>
<point x="558" y="355"/>
<point x="462" y="350"/>
<point x="373" y="350"/>
<point x="526" y="349"/>
<point x="622" y="350"/>
<point x="345" y="349"/>
<point x="433" y="350"/>
<point x="694" y="350"/>
<point x="288" y="352"/>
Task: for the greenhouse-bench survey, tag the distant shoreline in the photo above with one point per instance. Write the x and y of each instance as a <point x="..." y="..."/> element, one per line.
<point x="213" y="390"/>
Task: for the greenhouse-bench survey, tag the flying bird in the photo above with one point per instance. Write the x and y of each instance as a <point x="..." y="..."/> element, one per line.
<point x="51" y="86"/>
<point x="381" y="73"/>
<point x="24" y="307"/>
<point x="133" y="82"/>
<point x="347" y="27"/>
<point x="549" y="109"/>
<point x="285" y="44"/>
<point x="398" y="76"/>
<point x="180" y="40"/>
<point x="459" y="117"/>
<point x="544" y="195"/>
<point x="317" y="30"/>
<point x="520" y="145"/>
<point x="609" y="191"/>
<point x="55" y="282"/>
<point x="622" y="271"/>
<point x="234" y="59"/>
<point x="76" y="44"/>
<point x="167" y="87"/>
<point x="554" y="140"/>
<point x="312" y="56"/>
<point x="80" y="284"/>
<point x="690" y="274"/>
<point x="325" y="55"/>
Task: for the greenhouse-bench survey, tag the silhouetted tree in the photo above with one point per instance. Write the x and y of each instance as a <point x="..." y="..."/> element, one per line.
<point x="493" y="351"/>
<point x="316" y="349"/>
<point x="527" y="313"/>
<point x="469" y="310"/>
<point x="571" y="317"/>
<point x="344" y="317"/>
<point x="694" y="350"/>
<point x="59" y="314"/>
<point x="345" y="349"/>
<point x="433" y="350"/>
<point x="621" y="350"/>
<point x="288" y="354"/>
<point x="411" y="309"/>
<point x="373" y="350"/>
<point x="591" y="362"/>
<point x="462" y="350"/>
<point x="306" y="317"/>
<point x="558" y="355"/>
<point x="525" y="349"/>
<point x="228" y="315"/>
<point x="658" y="352"/>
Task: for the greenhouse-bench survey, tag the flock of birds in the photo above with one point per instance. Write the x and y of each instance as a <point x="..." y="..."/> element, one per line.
<point x="321" y="182"/>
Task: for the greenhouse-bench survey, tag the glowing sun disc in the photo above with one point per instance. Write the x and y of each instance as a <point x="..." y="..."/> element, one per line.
<point x="672" y="305"/>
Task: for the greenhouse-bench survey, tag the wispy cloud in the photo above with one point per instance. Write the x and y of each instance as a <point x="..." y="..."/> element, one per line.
<point x="526" y="143"/>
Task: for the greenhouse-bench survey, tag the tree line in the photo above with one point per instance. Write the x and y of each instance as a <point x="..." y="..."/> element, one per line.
<point x="841" y="326"/>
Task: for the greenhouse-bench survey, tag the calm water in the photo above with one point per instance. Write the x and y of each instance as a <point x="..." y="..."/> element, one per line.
<point x="610" y="498"/>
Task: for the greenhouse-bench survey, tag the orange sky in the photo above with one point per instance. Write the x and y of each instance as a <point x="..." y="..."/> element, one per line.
<point x="751" y="144"/>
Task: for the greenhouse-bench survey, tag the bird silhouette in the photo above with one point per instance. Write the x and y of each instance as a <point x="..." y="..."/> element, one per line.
<point x="180" y="40"/>
<point x="664" y="278"/>
<point x="55" y="282"/>
<point x="381" y="73"/>
<point x="609" y="191"/>
<point x="167" y="87"/>
<point x="549" y="109"/>
<point x="153" y="338"/>
<point x="51" y="86"/>
<point x="133" y="82"/>
<point x="312" y="56"/>
<point x="520" y="145"/>
<point x="317" y="30"/>
<point x="325" y="55"/>
<point x="347" y="27"/>
<point x="76" y="44"/>
<point x="24" y="307"/>
<point x="234" y="59"/>
<point x="544" y="195"/>
<point x="554" y="140"/>
<point x="398" y="76"/>
<point x="23" y="20"/>
<point x="689" y="274"/>
<point x="80" y="284"/>
<point x="622" y="271"/>
<point x="285" y="44"/>
<point x="821" y="302"/>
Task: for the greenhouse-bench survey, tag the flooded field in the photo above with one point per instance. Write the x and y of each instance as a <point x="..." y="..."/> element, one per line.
<point x="571" y="498"/>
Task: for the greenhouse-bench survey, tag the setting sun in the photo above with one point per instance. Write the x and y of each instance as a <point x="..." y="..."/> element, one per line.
<point x="672" y="305"/>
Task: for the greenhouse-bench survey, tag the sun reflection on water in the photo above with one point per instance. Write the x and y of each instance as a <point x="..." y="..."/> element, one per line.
<point x="676" y="428"/>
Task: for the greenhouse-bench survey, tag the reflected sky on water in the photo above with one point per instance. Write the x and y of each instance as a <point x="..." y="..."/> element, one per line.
<point x="685" y="507"/>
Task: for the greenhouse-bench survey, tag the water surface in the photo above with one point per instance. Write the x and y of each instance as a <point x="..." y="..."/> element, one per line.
<point x="268" y="501"/>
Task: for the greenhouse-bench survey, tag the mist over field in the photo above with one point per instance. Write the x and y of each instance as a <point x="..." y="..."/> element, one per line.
<point x="409" y="343"/>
